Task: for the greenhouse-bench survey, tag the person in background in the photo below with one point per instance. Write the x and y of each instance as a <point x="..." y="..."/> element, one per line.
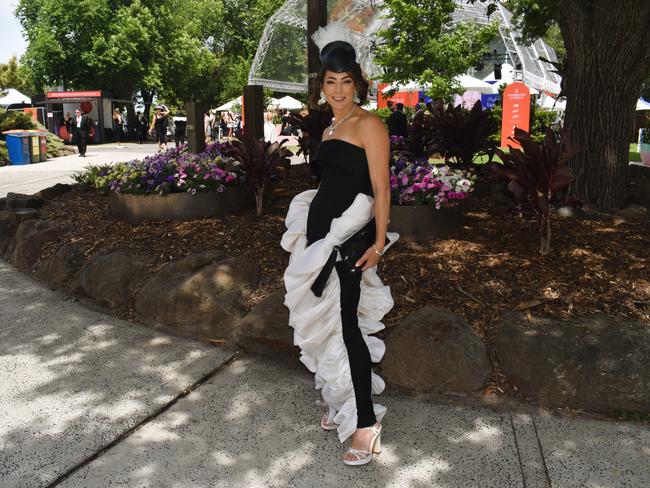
<point x="81" y="129"/>
<point x="232" y="123"/>
<point x="269" y="127"/>
<point x="141" y="124"/>
<point x="223" y="124"/>
<point x="159" y="125"/>
<point x="68" y="123"/>
<point x="397" y="123"/>
<point x="118" y="126"/>
<point x="180" y="126"/>
<point x="390" y="105"/>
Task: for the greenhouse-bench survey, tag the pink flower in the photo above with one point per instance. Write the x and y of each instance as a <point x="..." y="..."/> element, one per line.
<point x="460" y="195"/>
<point x="405" y="180"/>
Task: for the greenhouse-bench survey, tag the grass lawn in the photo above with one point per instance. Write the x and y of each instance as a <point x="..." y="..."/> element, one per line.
<point x="634" y="153"/>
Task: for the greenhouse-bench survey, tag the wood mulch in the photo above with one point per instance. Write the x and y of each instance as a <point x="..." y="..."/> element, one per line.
<point x="493" y="266"/>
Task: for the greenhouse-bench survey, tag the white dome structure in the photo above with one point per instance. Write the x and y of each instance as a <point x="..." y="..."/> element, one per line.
<point x="280" y="62"/>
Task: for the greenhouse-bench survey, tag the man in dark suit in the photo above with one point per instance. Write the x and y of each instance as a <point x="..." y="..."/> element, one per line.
<point x="397" y="123"/>
<point x="81" y="129"/>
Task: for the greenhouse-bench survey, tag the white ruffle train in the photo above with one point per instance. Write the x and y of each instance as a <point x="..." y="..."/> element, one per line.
<point x="317" y="320"/>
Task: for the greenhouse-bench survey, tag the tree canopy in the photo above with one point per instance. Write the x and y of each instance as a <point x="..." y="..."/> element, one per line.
<point x="10" y="75"/>
<point x="418" y="46"/>
<point x="125" y="46"/>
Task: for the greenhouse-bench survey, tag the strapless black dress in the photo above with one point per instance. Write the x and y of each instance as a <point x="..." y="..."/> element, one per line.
<point x="343" y="170"/>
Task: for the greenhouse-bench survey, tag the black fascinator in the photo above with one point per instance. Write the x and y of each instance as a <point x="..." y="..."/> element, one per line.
<point x="338" y="56"/>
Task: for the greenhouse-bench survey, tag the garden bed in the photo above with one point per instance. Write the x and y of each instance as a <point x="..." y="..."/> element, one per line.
<point x="491" y="267"/>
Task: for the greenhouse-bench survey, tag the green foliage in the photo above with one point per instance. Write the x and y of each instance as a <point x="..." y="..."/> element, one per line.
<point x="4" y="154"/>
<point x="383" y="113"/>
<point x="542" y="120"/>
<point x="417" y="46"/>
<point x="16" y="120"/>
<point x="235" y="41"/>
<point x="94" y="176"/>
<point x="11" y="76"/>
<point x="159" y="46"/>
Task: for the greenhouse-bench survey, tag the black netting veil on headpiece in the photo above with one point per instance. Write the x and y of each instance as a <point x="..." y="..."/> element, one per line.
<point x="338" y="56"/>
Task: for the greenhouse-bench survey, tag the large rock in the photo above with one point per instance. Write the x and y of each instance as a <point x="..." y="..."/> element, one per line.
<point x="433" y="350"/>
<point x="266" y="328"/>
<point x="51" y="192"/>
<point x="597" y="363"/>
<point x="29" y="241"/>
<point x="202" y="294"/>
<point x="20" y="200"/>
<point x="111" y="279"/>
<point x="63" y="265"/>
<point x="9" y="222"/>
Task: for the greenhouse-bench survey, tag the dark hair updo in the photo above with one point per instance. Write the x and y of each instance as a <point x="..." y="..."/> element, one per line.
<point x="339" y="57"/>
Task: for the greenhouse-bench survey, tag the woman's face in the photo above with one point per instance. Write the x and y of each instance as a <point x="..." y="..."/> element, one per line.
<point x="339" y="89"/>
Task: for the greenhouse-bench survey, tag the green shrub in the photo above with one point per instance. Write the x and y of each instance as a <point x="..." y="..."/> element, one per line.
<point x="382" y="113"/>
<point x="16" y="120"/>
<point x="93" y="176"/>
<point x="542" y="120"/>
<point x="4" y="154"/>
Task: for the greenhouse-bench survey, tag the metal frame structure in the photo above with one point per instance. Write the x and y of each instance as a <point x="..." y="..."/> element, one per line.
<point x="534" y="72"/>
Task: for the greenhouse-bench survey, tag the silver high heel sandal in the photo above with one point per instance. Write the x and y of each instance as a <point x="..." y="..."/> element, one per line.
<point x="326" y="424"/>
<point x="364" y="457"/>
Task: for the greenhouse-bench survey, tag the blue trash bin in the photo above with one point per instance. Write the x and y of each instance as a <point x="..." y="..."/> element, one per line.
<point x="18" y="147"/>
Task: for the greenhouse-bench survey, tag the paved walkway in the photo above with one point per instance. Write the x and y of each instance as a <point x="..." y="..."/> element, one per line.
<point x="31" y="178"/>
<point x="91" y="401"/>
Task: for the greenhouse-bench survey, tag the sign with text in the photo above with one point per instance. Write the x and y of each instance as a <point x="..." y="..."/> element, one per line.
<point x="516" y="112"/>
<point x="75" y="94"/>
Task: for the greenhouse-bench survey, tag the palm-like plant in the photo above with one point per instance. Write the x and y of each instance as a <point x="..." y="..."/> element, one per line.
<point x="258" y="159"/>
<point x="538" y="174"/>
<point x="461" y="135"/>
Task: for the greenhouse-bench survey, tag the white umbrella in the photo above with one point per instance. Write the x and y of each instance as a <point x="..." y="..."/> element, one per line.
<point x="13" y="96"/>
<point x="470" y="83"/>
<point x="229" y="105"/>
<point x="289" y="103"/>
<point x="641" y="105"/>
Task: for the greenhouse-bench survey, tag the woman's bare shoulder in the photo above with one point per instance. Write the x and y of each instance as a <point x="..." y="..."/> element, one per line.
<point x="371" y="126"/>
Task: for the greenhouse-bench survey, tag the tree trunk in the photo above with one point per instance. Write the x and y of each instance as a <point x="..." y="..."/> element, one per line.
<point x="608" y="57"/>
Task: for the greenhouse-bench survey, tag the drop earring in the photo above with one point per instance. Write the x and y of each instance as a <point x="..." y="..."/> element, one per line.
<point x="322" y="99"/>
<point x="356" y="98"/>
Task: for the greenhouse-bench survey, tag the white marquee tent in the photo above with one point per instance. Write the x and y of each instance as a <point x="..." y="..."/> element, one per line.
<point x="12" y="96"/>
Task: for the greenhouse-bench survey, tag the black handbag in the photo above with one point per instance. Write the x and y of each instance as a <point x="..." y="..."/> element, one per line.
<point x="351" y="251"/>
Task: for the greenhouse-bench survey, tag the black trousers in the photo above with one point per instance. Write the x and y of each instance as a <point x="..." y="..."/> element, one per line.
<point x="82" y="142"/>
<point x="358" y="354"/>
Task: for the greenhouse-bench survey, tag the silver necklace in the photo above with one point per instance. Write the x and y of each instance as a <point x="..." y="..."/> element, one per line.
<point x="334" y="124"/>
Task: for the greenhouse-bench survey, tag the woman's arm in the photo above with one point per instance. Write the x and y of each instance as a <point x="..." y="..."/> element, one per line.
<point x="377" y="146"/>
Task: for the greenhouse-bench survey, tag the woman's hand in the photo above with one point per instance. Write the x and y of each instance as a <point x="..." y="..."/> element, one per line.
<point x="369" y="259"/>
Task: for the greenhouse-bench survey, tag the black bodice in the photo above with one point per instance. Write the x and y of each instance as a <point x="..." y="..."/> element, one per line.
<point x="343" y="170"/>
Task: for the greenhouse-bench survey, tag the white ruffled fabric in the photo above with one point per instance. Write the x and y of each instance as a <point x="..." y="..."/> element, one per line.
<point x="317" y="320"/>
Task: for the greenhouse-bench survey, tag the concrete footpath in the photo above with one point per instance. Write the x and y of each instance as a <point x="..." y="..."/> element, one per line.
<point x="91" y="401"/>
<point x="31" y="178"/>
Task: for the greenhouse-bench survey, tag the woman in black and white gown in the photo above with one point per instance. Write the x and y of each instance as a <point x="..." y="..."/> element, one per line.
<point x="332" y="325"/>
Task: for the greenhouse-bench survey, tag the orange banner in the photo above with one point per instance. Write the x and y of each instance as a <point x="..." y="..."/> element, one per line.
<point x="516" y="112"/>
